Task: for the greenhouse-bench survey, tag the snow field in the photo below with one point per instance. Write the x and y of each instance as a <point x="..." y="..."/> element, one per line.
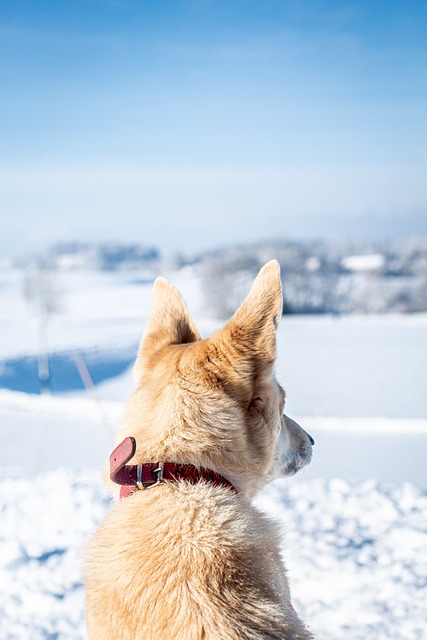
<point x="356" y="555"/>
<point x="45" y="521"/>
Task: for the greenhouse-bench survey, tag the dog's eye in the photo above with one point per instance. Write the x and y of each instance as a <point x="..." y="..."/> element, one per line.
<point x="257" y="403"/>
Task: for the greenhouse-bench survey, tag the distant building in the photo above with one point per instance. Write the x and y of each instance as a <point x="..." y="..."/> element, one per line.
<point x="374" y="262"/>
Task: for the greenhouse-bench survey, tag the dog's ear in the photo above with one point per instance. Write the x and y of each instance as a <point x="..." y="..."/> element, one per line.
<point x="169" y="323"/>
<point x="249" y="337"/>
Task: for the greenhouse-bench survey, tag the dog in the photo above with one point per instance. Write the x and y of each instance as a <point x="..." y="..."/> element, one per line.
<point x="187" y="557"/>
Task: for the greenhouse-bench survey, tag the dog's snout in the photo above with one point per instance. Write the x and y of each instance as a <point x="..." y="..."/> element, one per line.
<point x="310" y="438"/>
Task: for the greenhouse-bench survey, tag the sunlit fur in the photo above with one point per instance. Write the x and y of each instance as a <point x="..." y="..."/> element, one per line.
<point x="196" y="562"/>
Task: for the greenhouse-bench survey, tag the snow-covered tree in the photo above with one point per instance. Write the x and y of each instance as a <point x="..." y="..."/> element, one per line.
<point x="42" y="294"/>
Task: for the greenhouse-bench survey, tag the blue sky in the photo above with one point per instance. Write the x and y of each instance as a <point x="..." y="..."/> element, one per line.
<point x="188" y="124"/>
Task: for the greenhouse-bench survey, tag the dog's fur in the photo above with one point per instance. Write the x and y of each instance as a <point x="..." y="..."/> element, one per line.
<point x="198" y="562"/>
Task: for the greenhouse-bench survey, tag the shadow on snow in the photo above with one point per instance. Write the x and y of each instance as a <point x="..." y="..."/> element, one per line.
<point x="20" y="374"/>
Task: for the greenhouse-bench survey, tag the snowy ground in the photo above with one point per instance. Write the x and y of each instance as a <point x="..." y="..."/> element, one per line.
<point x="357" y="555"/>
<point x="355" y="522"/>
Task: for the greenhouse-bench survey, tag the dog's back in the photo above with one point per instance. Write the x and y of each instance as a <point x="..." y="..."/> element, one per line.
<point x="197" y="561"/>
<point x="194" y="563"/>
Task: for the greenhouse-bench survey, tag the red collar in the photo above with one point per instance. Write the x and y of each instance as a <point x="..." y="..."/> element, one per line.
<point x="150" y="474"/>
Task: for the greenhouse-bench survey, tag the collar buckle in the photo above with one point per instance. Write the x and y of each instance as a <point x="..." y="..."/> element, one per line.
<point x="149" y="485"/>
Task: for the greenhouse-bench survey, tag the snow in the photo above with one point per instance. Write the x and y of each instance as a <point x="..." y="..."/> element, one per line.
<point x="354" y="366"/>
<point x="45" y="522"/>
<point x="356" y="554"/>
<point x="354" y="522"/>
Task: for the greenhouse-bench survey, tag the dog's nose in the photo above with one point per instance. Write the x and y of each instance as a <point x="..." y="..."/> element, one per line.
<point x="310" y="438"/>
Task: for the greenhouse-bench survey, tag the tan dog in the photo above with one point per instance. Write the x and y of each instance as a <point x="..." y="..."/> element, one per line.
<point x="197" y="561"/>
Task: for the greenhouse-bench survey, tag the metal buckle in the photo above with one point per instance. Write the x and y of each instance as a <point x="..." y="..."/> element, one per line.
<point x="158" y="471"/>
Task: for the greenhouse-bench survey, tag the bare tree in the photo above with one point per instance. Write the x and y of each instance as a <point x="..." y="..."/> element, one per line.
<point x="40" y="290"/>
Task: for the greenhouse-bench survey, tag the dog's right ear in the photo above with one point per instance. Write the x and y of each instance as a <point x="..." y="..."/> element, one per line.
<point x="247" y="343"/>
<point x="169" y="323"/>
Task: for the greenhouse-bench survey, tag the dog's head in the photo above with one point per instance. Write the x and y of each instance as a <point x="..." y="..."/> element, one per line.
<point x="215" y="402"/>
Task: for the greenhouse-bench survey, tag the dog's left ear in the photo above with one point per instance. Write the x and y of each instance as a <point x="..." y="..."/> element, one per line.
<point x="169" y="323"/>
<point x="249" y="337"/>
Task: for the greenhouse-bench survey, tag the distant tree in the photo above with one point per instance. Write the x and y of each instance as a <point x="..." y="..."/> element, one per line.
<point x="226" y="279"/>
<point x="307" y="292"/>
<point x="421" y="298"/>
<point x="41" y="292"/>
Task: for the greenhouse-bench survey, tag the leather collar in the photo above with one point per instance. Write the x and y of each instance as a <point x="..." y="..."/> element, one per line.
<point x="150" y="474"/>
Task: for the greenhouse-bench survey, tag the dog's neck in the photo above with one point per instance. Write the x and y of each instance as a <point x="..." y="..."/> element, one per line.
<point x="147" y="475"/>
